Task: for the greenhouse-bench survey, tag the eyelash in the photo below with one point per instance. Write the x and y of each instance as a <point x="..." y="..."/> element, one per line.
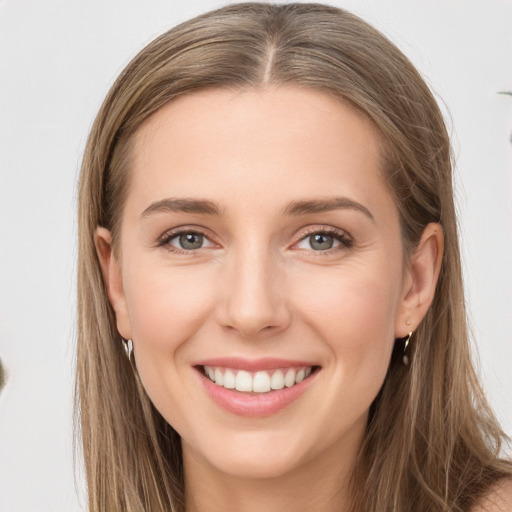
<point x="342" y="237"/>
<point x="166" y="239"/>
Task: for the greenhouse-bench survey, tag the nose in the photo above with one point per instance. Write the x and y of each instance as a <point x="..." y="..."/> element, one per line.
<point x="255" y="301"/>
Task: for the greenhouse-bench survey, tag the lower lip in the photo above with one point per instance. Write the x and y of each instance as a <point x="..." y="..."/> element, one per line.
<point x="255" y="405"/>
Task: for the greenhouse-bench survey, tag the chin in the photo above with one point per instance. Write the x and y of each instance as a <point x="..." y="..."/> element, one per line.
<point x="263" y="465"/>
<point x="257" y="455"/>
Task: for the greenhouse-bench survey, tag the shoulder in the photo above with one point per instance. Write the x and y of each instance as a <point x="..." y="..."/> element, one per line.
<point x="498" y="500"/>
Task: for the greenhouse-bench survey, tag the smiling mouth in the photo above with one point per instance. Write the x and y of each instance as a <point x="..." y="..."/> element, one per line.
<point x="258" y="382"/>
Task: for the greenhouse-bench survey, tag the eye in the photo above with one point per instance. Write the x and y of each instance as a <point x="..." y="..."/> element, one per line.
<point x="184" y="241"/>
<point x="189" y="241"/>
<point x="325" y="240"/>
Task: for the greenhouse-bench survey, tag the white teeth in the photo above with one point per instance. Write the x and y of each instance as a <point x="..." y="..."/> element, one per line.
<point x="289" y="378"/>
<point x="261" y="382"/>
<point x="277" y="380"/>
<point x="258" y="382"/>
<point x="219" y="378"/>
<point x="243" y="381"/>
<point x="229" y="380"/>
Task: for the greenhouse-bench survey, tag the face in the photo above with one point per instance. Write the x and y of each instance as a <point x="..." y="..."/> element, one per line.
<point x="260" y="248"/>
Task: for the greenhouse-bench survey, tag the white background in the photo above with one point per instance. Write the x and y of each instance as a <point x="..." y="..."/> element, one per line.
<point x="57" y="61"/>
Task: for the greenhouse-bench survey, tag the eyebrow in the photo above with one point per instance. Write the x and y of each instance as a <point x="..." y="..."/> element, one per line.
<point x="201" y="206"/>
<point x="325" y="205"/>
<point x="294" y="208"/>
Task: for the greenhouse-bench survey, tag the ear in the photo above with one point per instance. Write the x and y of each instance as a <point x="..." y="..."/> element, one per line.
<point x="420" y="280"/>
<point x="113" y="280"/>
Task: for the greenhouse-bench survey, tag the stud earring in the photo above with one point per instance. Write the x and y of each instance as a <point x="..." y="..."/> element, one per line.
<point x="405" y="358"/>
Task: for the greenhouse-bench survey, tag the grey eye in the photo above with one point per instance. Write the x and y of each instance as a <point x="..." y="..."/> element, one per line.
<point x="321" y="241"/>
<point x="186" y="241"/>
<point x="190" y="241"/>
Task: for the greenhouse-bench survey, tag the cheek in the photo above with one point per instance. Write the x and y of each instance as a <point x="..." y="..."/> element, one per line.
<point x="354" y="318"/>
<point x="353" y="313"/>
<point x="352" y="305"/>
<point x="166" y="306"/>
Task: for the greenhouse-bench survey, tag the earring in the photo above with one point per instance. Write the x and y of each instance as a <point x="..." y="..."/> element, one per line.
<point x="128" y="348"/>
<point x="405" y="358"/>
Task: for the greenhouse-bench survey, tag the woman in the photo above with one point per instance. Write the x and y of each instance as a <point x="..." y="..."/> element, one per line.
<point x="267" y="228"/>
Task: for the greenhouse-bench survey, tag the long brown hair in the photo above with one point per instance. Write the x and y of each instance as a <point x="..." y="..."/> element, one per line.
<point x="432" y="443"/>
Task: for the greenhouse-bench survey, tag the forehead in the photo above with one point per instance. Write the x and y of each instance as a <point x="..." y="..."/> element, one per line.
<point x="264" y="144"/>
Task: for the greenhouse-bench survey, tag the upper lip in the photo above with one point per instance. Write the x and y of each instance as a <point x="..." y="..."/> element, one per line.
<point x="253" y="365"/>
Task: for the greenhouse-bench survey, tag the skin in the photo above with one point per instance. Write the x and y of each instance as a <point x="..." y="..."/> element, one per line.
<point x="258" y="287"/>
<point x="499" y="499"/>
